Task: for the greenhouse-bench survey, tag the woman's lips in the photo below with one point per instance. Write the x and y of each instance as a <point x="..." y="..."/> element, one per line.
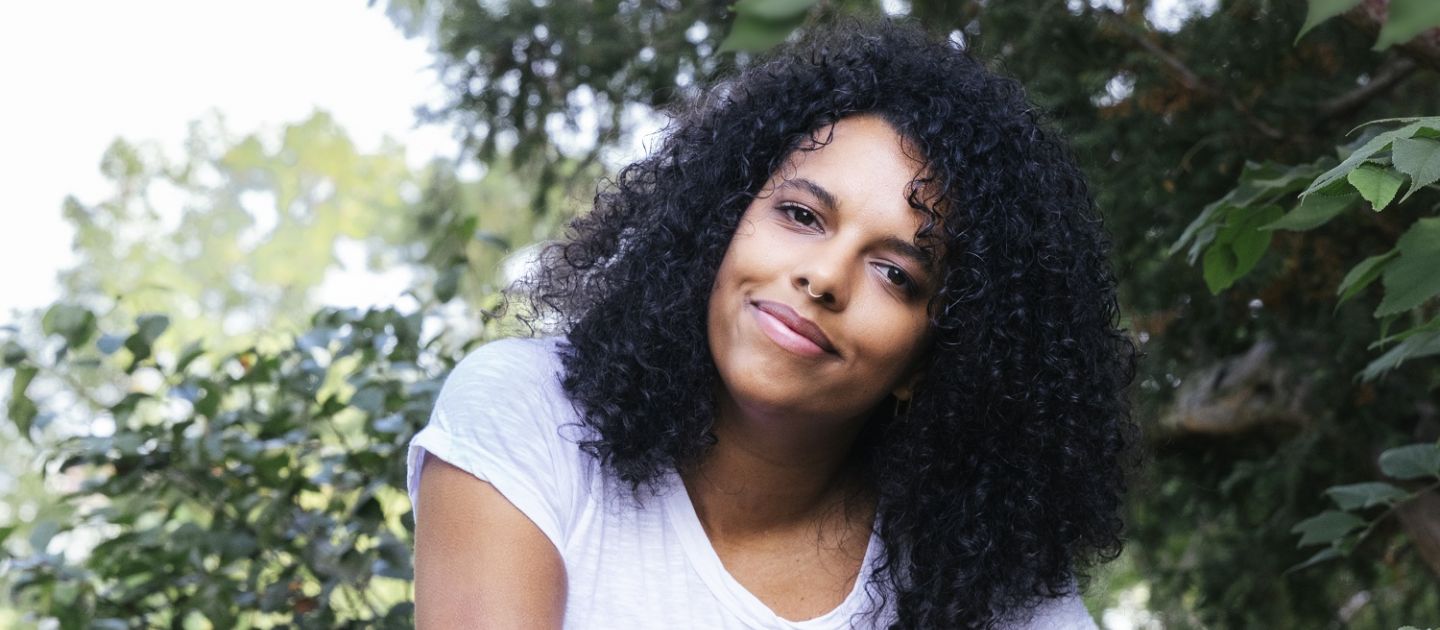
<point x="791" y="331"/>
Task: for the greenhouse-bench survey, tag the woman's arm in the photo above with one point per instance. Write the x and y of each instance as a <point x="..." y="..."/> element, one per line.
<point x="479" y="561"/>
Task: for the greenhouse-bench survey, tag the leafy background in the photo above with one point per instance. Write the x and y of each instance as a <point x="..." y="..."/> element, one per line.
<point x="209" y="447"/>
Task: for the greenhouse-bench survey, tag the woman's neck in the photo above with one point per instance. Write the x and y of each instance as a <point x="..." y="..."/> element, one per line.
<point x="768" y="474"/>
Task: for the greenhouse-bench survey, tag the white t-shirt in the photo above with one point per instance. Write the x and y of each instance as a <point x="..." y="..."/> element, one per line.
<point x="503" y="417"/>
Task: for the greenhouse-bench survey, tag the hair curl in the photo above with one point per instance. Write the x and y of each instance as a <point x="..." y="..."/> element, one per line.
<point x="1005" y="480"/>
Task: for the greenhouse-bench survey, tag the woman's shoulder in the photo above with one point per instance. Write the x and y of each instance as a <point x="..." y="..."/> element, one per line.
<point x="501" y="415"/>
<point x="504" y="383"/>
<point x="513" y="358"/>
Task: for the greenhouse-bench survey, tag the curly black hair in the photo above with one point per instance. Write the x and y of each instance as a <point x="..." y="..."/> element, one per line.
<point x="1005" y="480"/>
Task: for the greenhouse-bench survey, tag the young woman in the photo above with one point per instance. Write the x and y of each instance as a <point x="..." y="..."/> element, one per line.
<point x="842" y="352"/>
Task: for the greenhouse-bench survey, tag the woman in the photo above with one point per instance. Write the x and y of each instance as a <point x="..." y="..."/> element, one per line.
<point x="841" y="353"/>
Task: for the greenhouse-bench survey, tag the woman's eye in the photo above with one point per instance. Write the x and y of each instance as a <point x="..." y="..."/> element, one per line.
<point x="802" y="216"/>
<point x="897" y="277"/>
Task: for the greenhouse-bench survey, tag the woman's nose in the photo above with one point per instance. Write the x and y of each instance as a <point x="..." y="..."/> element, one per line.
<point x="823" y="276"/>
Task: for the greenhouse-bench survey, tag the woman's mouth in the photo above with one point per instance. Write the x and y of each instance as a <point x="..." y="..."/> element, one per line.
<point x="791" y="331"/>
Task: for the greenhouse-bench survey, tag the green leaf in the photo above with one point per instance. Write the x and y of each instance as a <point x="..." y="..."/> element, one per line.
<point x="495" y="240"/>
<point x="1238" y="246"/>
<point x="401" y="615"/>
<point x="1405" y="20"/>
<point x="20" y="408"/>
<point x="370" y="398"/>
<point x="1429" y="121"/>
<point x="236" y="545"/>
<point x="109" y="343"/>
<point x="1249" y="241"/>
<point x="147" y="329"/>
<point x="1386" y="339"/>
<point x="1413" y="347"/>
<point x="13" y="353"/>
<point x="209" y="403"/>
<point x="1326" y="527"/>
<point x="270" y="466"/>
<point x="1420" y="159"/>
<point x="42" y="532"/>
<point x="1313" y="211"/>
<point x="1260" y="183"/>
<point x="1328" y="553"/>
<point x="1413" y="461"/>
<point x="76" y="324"/>
<point x="1321" y="10"/>
<point x="448" y="283"/>
<point x="1362" y="154"/>
<point x="1201" y="231"/>
<point x="1267" y="181"/>
<point x="754" y="34"/>
<point x="1359" y="496"/>
<point x="192" y="351"/>
<point x="1219" y="269"/>
<point x="774" y="9"/>
<point x="1377" y="185"/>
<point x="1385" y="324"/>
<point x="1412" y="278"/>
<point x="1363" y="274"/>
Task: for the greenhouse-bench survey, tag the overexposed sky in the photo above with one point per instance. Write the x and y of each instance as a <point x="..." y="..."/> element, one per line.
<point x="76" y="74"/>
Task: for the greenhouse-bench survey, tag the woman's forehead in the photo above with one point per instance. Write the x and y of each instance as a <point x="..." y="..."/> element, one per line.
<point x="861" y="164"/>
<point x="873" y="137"/>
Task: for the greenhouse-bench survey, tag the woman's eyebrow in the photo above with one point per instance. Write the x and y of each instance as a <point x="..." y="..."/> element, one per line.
<point x="818" y="191"/>
<point x="915" y="253"/>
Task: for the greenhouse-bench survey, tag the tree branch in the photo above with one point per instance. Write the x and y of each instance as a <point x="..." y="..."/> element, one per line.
<point x="1189" y="78"/>
<point x="1387" y="76"/>
<point x="1238" y="394"/>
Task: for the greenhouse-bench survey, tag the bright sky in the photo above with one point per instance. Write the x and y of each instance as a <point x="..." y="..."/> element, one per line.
<point x="75" y="74"/>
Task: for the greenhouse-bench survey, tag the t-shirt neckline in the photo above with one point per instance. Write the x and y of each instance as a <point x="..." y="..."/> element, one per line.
<point x="733" y="595"/>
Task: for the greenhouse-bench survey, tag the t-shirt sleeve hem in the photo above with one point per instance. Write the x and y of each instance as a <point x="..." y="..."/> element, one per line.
<point x="521" y="495"/>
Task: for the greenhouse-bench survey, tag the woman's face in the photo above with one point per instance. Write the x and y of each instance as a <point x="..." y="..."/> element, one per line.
<point x="819" y="308"/>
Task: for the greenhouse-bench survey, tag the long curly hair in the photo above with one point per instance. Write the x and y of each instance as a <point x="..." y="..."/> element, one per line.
<point x="1005" y="480"/>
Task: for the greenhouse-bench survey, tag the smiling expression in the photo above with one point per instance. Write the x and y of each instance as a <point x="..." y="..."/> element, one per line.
<point x="819" y="307"/>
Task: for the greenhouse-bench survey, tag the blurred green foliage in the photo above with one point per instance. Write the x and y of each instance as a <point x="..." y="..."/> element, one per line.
<point x="252" y="488"/>
<point x="255" y="479"/>
<point x="223" y="474"/>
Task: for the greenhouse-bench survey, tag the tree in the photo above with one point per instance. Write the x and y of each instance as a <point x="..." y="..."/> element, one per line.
<point x="1250" y="409"/>
<point x="522" y="75"/>
<point x="1234" y="232"/>
<point x="245" y="476"/>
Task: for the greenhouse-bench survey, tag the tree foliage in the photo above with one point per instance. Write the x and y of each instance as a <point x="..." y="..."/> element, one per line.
<point x="242" y="226"/>
<point x="269" y="473"/>
<point x="523" y="75"/>
<point x="1233" y="233"/>
<point x="253" y="488"/>
<point x="253" y="476"/>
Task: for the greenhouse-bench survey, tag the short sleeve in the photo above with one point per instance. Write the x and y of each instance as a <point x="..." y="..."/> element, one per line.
<point x="499" y="417"/>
